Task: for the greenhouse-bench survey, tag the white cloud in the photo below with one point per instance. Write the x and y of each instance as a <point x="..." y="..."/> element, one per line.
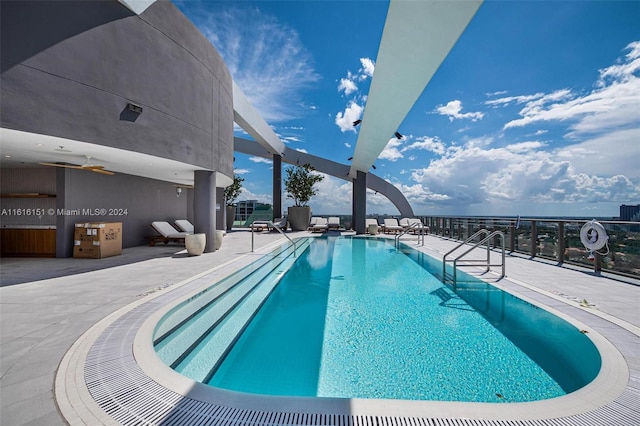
<point x="260" y="160"/>
<point x="368" y="67"/>
<point x="266" y="58"/>
<point x="427" y="143"/>
<point x="353" y="110"/>
<point x="453" y="110"/>
<point x="606" y="155"/>
<point x="347" y="144"/>
<point x="525" y="146"/>
<point x="523" y="173"/>
<point x="345" y="120"/>
<point x="391" y="151"/>
<point x="347" y="86"/>
<point x="514" y="99"/>
<point x="612" y="105"/>
<point x="241" y="171"/>
<point x="302" y="150"/>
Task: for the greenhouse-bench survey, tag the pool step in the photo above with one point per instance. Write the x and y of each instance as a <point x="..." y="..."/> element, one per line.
<point x="173" y="346"/>
<point x="195" y="304"/>
<point x="202" y="362"/>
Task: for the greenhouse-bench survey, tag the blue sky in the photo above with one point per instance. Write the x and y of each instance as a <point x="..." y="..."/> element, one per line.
<point x="535" y="112"/>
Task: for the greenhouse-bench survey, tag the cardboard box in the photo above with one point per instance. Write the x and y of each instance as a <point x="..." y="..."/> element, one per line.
<point x="97" y="240"/>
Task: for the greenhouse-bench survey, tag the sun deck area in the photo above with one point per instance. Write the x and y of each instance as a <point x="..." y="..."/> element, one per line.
<point x="71" y="325"/>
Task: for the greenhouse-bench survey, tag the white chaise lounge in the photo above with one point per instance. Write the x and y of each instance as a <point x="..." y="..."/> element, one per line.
<point x="167" y="233"/>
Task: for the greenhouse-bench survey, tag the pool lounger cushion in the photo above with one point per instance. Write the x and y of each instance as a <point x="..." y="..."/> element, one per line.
<point x="167" y="233"/>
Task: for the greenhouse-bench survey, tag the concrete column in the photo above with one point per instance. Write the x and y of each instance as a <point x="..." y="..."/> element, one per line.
<point x="277" y="186"/>
<point x="359" y="202"/>
<point x="64" y="243"/>
<point x="220" y="210"/>
<point x="204" y="206"/>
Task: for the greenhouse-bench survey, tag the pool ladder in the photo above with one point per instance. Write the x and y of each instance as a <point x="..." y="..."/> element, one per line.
<point x="412" y="227"/>
<point x="459" y="261"/>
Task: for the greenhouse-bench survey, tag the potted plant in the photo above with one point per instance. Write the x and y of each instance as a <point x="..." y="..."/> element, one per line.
<point x="231" y="193"/>
<point x="298" y="183"/>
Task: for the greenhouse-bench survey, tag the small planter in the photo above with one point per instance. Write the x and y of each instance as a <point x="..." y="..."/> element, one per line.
<point x="195" y="244"/>
<point x="231" y="215"/>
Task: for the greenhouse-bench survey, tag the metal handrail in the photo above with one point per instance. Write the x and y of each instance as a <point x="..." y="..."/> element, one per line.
<point x="488" y="264"/>
<point x="277" y="228"/>
<point x="407" y="229"/>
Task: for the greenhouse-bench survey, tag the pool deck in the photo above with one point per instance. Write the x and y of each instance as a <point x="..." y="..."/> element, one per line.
<point x="48" y="304"/>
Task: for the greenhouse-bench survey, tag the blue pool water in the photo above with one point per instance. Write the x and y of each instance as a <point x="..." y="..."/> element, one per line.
<point x="354" y="317"/>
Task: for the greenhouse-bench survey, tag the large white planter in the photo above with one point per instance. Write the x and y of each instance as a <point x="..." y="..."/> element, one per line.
<point x="195" y="244"/>
<point x="219" y="236"/>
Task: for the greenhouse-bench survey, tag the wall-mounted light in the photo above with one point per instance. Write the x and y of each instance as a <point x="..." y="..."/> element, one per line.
<point x="178" y="191"/>
<point x="397" y="135"/>
<point x="355" y="123"/>
<point x="134" y="108"/>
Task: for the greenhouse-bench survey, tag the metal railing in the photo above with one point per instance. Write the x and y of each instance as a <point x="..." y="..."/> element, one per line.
<point x="555" y="239"/>
<point x="486" y="262"/>
<point x="411" y="227"/>
<point x="277" y="228"/>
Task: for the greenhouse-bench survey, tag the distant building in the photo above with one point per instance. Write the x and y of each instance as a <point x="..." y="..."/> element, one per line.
<point x="630" y="213"/>
<point x="244" y="209"/>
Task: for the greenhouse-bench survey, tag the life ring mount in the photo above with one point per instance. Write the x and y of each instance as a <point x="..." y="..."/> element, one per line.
<point x="593" y="235"/>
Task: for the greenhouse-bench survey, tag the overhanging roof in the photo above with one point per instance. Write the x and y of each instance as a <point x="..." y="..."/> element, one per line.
<point x="416" y="39"/>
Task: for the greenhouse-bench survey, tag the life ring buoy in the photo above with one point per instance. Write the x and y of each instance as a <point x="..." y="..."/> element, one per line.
<point x="593" y="235"/>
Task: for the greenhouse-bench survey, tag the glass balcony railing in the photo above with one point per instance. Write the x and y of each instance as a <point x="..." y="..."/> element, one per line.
<point x="554" y="239"/>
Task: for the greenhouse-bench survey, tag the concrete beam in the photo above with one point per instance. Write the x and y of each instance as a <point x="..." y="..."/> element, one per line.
<point x="247" y="117"/>
<point x="417" y="37"/>
<point x="329" y="167"/>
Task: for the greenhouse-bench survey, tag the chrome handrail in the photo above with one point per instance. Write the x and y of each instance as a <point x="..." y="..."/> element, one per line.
<point x="407" y="229"/>
<point x="277" y="228"/>
<point x="488" y="264"/>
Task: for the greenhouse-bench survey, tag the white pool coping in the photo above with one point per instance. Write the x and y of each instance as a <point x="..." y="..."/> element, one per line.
<point x="78" y="406"/>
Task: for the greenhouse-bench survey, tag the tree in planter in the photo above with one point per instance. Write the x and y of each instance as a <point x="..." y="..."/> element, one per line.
<point x="298" y="183"/>
<point x="231" y="193"/>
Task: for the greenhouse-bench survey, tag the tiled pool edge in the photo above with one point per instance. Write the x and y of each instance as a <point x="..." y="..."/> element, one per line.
<point x="125" y="326"/>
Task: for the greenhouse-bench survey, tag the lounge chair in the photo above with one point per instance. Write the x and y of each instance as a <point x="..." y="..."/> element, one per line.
<point x="167" y="233"/>
<point x="391" y="226"/>
<point x="404" y="222"/>
<point x="312" y="222"/>
<point x="334" y="223"/>
<point x="421" y="228"/>
<point x="281" y="223"/>
<point x="372" y="222"/>
<point x="321" y="225"/>
<point x="260" y="225"/>
<point x="184" y="225"/>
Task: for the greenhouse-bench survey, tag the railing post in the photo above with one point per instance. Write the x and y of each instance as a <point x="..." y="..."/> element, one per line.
<point x="512" y="238"/>
<point x="561" y="246"/>
<point x="534" y="239"/>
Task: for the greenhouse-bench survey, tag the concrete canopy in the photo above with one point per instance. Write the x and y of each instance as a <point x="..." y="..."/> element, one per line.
<point x="416" y="39"/>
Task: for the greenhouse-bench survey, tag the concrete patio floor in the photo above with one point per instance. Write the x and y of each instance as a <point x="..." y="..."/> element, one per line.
<point x="47" y="304"/>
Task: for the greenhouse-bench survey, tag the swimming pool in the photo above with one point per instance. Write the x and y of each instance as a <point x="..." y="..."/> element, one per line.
<point x="356" y="318"/>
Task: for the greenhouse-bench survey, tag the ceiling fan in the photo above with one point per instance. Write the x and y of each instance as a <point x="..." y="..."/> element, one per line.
<point x="87" y="165"/>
